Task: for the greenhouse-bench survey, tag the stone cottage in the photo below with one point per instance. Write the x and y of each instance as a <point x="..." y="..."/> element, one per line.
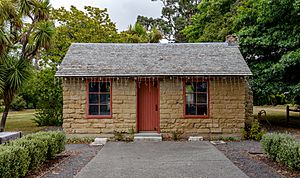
<point x="194" y="89"/>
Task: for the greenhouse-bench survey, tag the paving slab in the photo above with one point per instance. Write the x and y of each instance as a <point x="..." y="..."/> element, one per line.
<point x="160" y="159"/>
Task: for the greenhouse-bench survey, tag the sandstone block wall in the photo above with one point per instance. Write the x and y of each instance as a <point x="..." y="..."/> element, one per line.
<point x="74" y="109"/>
<point x="229" y="102"/>
<point x="226" y="114"/>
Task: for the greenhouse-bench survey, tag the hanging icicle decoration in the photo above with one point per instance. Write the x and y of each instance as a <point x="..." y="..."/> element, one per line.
<point x="234" y="85"/>
<point x="153" y="81"/>
<point x="139" y="81"/>
<point x="149" y="83"/>
<point x="208" y="83"/>
<point x="231" y="85"/>
<point x="72" y="84"/>
<point x="221" y="83"/>
<point x="238" y="84"/>
<point x="213" y="84"/>
<point x="76" y="83"/>
<point x="80" y="83"/>
<point x="226" y="83"/>
<point x="174" y="84"/>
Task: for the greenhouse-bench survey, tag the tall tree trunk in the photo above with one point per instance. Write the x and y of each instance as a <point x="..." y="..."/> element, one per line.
<point x="4" y="117"/>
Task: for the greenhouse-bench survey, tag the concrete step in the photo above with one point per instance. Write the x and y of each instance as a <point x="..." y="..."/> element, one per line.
<point x="148" y="137"/>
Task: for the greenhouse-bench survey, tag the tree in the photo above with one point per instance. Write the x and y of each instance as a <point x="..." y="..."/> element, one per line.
<point x="20" y="43"/>
<point x="150" y="23"/>
<point x="269" y="34"/>
<point x="212" y="22"/>
<point x="50" y="99"/>
<point x="139" y="34"/>
<point x="92" y="25"/>
<point x="13" y="72"/>
<point x="176" y="14"/>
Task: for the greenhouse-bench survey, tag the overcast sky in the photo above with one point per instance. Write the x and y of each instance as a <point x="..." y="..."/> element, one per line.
<point x="122" y="12"/>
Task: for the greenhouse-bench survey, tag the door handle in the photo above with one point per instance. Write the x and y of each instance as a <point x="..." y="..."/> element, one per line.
<point x="156" y="107"/>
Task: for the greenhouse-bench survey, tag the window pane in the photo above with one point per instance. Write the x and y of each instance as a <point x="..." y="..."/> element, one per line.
<point x="202" y="98"/>
<point x="190" y="109"/>
<point x="202" y="87"/>
<point x="190" y="98"/>
<point x="93" y="98"/>
<point x="93" y="110"/>
<point x="189" y="87"/>
<point x="93" y="86"/>
<point x="105" y="87"/>
<point x="202" y="110"/>
<point x="105" y="98"/>
<point x="105" y="110"/>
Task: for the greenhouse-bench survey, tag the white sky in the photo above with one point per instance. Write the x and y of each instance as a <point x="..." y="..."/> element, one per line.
<point x="122" y="12"/>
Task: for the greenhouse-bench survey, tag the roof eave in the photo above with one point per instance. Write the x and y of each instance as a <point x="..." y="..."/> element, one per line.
<point x="156" y="75"/>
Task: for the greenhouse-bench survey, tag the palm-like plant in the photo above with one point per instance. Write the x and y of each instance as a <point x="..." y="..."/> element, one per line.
<point x="14" y="73"/>
<point x="20" y="43"/>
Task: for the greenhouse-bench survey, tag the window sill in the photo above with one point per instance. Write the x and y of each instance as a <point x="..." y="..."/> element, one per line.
<point x="195" y="117"/>
<point x="99" y="117"/>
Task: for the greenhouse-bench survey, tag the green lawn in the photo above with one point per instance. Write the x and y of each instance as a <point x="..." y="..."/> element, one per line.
<point x="276" y="115"/>
<point x="21" y="121"/>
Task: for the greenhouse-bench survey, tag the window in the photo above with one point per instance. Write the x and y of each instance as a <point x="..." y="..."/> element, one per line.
<point x="99" y="99"/>
<point x="196" y="99"/>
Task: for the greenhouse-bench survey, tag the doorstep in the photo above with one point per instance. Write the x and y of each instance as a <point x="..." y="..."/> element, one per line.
<point x="152" y="136"/>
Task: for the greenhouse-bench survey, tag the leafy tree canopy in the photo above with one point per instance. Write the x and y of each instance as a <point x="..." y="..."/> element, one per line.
<point x="175" y="15"/>
<point x="212" y="22"/>
<point x="139" y="34"/>
<point x="92" y="25"/>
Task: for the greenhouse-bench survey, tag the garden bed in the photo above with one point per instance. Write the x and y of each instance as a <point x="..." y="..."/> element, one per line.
<point x="67" y="164"/>
<point x="247" y="155"/>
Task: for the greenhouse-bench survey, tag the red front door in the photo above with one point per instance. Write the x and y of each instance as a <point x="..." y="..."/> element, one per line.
<point x="148" y="106"/>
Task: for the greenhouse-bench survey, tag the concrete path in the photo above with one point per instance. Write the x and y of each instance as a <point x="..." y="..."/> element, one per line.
<point x="160" y="159"/>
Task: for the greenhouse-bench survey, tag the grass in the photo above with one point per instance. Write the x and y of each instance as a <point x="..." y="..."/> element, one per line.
<point x="22" y="121"/>
<point x="276" y="117"/>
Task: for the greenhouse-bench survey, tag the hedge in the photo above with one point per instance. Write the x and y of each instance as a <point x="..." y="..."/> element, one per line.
<point x="55" y="142"/>
<point x="282" y="148"/>
<point x="14" y="161"/>
<point x="19" y="156"/>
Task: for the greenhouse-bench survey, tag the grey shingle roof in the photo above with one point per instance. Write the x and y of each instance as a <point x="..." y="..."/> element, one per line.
<point x="100" y="59"/>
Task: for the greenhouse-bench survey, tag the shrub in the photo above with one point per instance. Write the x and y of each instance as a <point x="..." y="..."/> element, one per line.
<point x="119" y="136"/>
<point x="48" y="117"/>
<point x="14" y="161"/>
<point x="37" y="150"/>
<point x="289" y="154"/>
<point x="27" y="153"/>
<point x="50" y="98"/>
<point x="253" y="131"/>
<point x="55" y="141"/>
<point x="18" y="104"/>
<point x="272" y="141"/>
<point x="283" y="148"/>
<point x="176" y="135"/>
<point x="86" y="140"/>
